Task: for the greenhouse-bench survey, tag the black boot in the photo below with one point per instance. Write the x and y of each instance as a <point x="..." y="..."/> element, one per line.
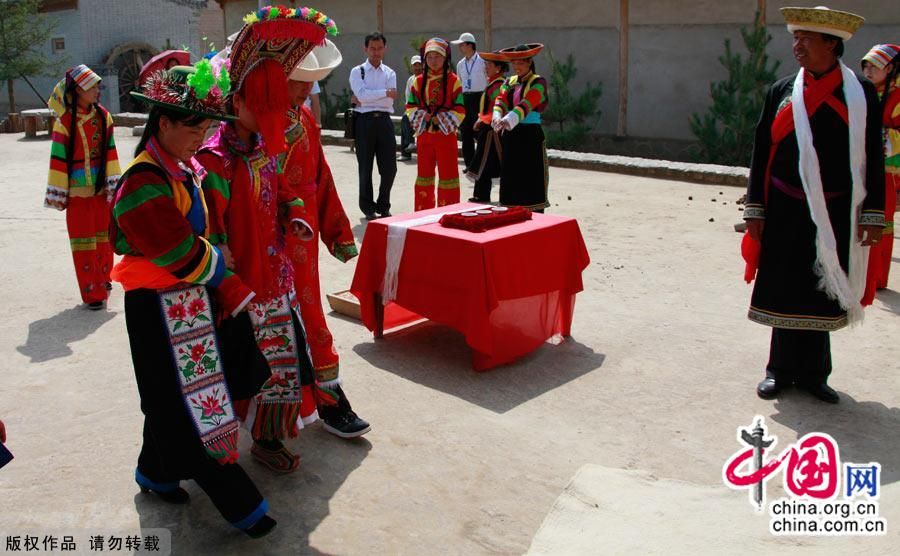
<point x="768" y="389"/>
<point x="823" y="392"/>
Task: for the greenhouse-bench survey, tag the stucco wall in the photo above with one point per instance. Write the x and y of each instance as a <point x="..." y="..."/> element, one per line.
<point x="674" y="45"/>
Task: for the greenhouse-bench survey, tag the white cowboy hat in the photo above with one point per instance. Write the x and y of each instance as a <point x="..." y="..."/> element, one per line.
<point x="318" y="63"/>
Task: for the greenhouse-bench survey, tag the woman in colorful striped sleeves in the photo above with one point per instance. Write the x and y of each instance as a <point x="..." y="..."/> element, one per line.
<point x="517" y="117"/>
<point x="881" y="66"/>
<point x="435" y="109"/>
<point x="486" y="165"/>
<point x="84" y="167"/>
<point x="192" y="344"/>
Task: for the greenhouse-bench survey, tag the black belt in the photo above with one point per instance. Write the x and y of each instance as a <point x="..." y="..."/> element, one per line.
<point x="374" y="114"/>
<point x="473" y="93"/>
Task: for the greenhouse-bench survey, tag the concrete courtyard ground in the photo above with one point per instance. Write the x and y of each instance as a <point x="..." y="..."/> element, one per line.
<point x="659" y="372"/>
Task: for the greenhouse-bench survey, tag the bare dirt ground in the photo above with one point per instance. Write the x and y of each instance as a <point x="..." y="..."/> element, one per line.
<point x="659" y="372"/>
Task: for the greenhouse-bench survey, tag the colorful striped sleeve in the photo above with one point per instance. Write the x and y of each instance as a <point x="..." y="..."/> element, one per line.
<point x="113" y="170"/>
<point x="501" y="106"/>
<point x="58" y="179"/>
<point x="459" y="106"/>
<point x="412" y="99"/>
<point x="534" y="99"/>
<point x="153" y="226"/>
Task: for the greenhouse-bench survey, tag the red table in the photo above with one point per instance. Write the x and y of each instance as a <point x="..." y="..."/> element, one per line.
<point x="507" y="290"/>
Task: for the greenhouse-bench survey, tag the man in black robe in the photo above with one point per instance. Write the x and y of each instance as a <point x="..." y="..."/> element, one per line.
<point x="792" y="293"/>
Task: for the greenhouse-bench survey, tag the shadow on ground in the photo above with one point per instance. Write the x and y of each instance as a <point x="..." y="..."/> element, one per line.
<point x="865" y="431"/>
<point x="438" y="357"/>
<point x="298" y="501"/>
<point x="890" y="299"/>
<point x="50" y="338"/>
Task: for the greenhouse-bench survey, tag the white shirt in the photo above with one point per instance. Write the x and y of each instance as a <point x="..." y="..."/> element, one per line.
<point x="372" y="92"/>
<point x="471" y="73"/>
<point x="314" y="91"/>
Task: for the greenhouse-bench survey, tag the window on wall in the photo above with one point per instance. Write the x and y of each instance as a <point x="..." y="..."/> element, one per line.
<point x="58" y="5"/>
<point x="58" y="44"/>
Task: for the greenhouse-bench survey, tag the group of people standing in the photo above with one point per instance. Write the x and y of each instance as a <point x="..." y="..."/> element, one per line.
<point x="496" y="118"/>
<point x="218" y="239"/>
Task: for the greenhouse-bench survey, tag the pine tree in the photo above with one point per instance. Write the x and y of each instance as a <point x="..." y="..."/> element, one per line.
<point x="23" y="31"/>
<point x="727" y="129"/>
<point x="569" y="117"/>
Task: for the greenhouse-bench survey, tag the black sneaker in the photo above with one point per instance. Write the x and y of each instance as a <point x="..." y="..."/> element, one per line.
<point x="261" y="528"/>
<point x="345" y="424"/>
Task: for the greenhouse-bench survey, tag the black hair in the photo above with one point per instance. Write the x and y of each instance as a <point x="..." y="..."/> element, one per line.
<point x="152" y="127"/>
<point x="839" y="44"/>
<point x="470" y="43"/>
<point x="375" y="36"/>
<point x="504" y="66"/>
<point x="424" y="76"/>
<point x="72" y="109"/>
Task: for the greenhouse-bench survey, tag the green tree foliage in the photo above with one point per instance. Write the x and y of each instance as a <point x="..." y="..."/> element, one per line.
<point x="569" y="116"/>
<point x="727" y="129"/>
<point x="24" y="33"/>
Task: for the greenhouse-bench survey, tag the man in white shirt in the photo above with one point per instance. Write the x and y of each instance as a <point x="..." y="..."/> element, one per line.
<point x="470" y="70"/>
<point x="374" y="85"/>
<point x="407" y="138"/>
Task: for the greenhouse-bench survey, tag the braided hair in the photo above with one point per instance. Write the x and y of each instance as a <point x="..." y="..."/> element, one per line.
<point x="423" y="79"/>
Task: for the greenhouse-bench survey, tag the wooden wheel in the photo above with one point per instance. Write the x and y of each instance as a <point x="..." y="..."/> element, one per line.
<point x="128" y="59"/>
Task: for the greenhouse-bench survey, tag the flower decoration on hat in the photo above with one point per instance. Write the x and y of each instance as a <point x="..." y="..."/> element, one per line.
<point x="196" y="89"/>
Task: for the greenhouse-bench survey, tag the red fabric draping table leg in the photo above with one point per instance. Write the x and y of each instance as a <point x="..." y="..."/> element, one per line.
<point x="507" y="290"/>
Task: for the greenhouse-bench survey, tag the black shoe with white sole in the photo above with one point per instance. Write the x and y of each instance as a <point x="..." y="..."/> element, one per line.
<point x="345" y="424"/>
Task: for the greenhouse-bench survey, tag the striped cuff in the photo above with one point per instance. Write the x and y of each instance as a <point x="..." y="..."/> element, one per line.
<point x="754" y="212"/>
<point x="872" y="218"/>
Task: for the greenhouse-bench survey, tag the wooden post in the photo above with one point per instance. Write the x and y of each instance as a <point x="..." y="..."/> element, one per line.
<point x="761" y="6"/>
<point x="379" y="6"/>
<point x="488" y="24"/>
<point x="622" y="127"/>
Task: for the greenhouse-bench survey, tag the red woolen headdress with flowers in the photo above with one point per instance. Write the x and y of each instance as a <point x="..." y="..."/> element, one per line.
<point x="272" y="42"/>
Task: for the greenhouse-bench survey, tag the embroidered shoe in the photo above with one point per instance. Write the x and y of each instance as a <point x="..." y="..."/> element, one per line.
<point x="275" y="456"/>
<point x="95" y="305"/>
<point x="345" y="424"/>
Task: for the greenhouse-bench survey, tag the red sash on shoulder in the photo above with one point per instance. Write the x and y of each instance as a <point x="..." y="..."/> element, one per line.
<point x="816" y="92"/>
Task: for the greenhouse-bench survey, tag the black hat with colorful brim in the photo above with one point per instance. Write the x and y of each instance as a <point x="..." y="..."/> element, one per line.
<point x="193" y="90"/>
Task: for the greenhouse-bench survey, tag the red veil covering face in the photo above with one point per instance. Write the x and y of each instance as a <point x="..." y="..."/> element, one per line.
<point x="272" y="42"/>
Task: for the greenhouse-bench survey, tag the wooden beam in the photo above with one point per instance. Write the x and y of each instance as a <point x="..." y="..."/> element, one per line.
<point x="622" y="125"/>
<point x="488" y="25"/>
<point x="379" y="6"/>
<point x="761" y="6"/>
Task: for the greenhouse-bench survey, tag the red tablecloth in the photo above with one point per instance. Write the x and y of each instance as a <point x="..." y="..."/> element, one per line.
<point x="507" y="290"/>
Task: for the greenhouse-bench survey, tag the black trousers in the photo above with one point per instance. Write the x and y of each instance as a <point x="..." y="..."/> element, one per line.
<point x="799" y="356"/>
<point x="407" y="140"/>
<point x="172" y="450"/>
<point x="466" y="133"/>
<point x="375" y="140"/>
